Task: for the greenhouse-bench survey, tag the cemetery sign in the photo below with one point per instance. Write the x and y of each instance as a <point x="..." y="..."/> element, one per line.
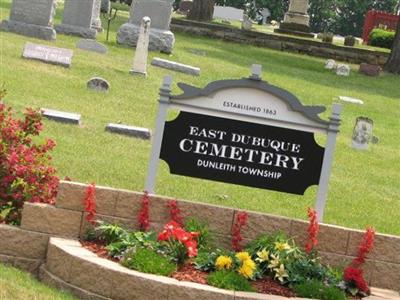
<point x="245" y="132"/>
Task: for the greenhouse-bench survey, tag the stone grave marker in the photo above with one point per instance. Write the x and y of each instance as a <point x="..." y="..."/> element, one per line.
<point x="48" y="54"/>
<point x="265" y="12"/>
<point x="330" y="64"/>
<point x="159" y="11"/>
<point x="32" y="18"/>
<point x="61" y="116"/>
<point x="246" y="23"/>
<point x="351" y="100"/>
<point x="142" y="49"/>
<point x="369" y="70"/>
<point x="342" y="70"/>
<point x="228" y="13"/>
<point x="78" y="18"/>
<point x="96" y="20"/>
<point x="174" y="66"/>
<point x="98" y="84"/>
<point x="91" y="45"/>
<point x="132" y="131"/>
<point x="362" y="133"/>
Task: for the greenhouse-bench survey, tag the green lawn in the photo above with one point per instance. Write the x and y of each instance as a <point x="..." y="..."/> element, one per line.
<point x="18" y="285"/>
<point x="364" y="187"/>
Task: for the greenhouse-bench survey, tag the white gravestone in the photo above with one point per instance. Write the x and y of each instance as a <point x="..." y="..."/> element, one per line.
<point x="142" y="49"/>
<point x="296" y="20"/>
<point x="32" y="18"/>
<point x="159" y="11"/>
<point x="228" y="13"/>
<point x="78" y="18"/>
<point x="342" y="70"/>
<point x="96" y="20"/>
<point x="330" y="64"/>
<point x="47" y="54"/>
<point x="362" y="133"/>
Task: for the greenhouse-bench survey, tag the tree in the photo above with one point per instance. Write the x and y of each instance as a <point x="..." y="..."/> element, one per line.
<point x="393" y="63"/>
<point x="202" y="10"/>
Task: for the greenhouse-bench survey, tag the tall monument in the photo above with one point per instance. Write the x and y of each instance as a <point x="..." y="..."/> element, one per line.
<point x="297" y="20"/>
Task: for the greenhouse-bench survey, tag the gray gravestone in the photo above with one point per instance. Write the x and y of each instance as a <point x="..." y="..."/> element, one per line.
<point x="47" y="54"/>
<point x="91" y="45"/>
<point x="343" y="70"/>
<point x="61" y="116"/>
<point x="78" y="18"/>
<point x="174" y="66"/>
<point x="98" y="84"/>
<point x="159" y="11"/>
<point x="96" y="20"/>
<point x="362" y="133"/>
<point x="133" y="131"/>
<point x="31" y="18"/>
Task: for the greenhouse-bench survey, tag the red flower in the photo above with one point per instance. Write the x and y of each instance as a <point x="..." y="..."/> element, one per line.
<point x="353" y="273"/>
<point x="312" y="230"/>
<point x="175" y="212"/>
<point x="143" y="216"/>
<point x="241" y="221"/>
<point x="90" y="203"/>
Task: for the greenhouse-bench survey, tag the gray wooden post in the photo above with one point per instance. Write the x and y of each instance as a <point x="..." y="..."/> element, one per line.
<point x="165" y="94"/>
<point x="333" y="130"/>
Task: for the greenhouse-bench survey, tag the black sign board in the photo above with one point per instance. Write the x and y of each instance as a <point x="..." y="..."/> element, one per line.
<point x="244" y="153"/>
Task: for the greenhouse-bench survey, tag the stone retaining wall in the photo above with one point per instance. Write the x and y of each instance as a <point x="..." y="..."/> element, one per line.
<point x="337" y="245"/>
<point x="280" y="42"/>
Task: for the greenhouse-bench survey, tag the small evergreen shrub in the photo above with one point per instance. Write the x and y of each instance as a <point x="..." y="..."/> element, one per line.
<point x="229" y="280"/>
<point x="381" y="38"/>
<point x="317" y="290"/>
<point x="148" y="261"/>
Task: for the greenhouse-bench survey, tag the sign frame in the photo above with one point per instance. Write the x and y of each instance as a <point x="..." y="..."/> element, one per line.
<point x="308" y="120"/>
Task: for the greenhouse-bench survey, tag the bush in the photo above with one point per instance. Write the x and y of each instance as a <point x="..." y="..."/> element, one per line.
<point x="25" y="170"/>
<point x="205" y="239"/>
<point x="381" y="38"/>
<point x="317" y="290"/>
<point x="148" y="261"/>
<point x="229" y="280"/>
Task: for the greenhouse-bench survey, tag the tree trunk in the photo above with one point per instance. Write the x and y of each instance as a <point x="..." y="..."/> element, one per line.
<point x="393" y="63"/>
<point x="202" y="10"/>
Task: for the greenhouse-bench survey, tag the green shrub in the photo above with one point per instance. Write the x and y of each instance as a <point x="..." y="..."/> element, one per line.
<point x="148" y="261"/>
<point x="205" y="239"/>
<point x="381" y="38"/>
<point x="317" y="290"/>
<point x="229" y="280"/>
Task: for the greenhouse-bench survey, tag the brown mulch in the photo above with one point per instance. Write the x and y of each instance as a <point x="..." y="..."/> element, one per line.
<point x="269" y="286"/>
<point x="188" y="272"/>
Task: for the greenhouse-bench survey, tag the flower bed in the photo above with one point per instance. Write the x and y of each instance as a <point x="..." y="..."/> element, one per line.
<point x="271" y="264"/>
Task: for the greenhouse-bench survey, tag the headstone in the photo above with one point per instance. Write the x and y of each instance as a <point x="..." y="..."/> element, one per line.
<point x="174" y="66"/>
<point x="296" y="20"/>
<point x="159" y="11"/>
<point x="185" y="6"/>
<point x="362" y="133"/>
<point x="78" y="18"/>
<point x="351" y="100"/>
<point x="330" y="64"/>
<point x="342" y="70"/>
<point x="133" y="131"/>
<point x="61" y="116"/>
<point x="142" y="49"/>
<point x="265" y="14"/>
<point x="228" y="13"/>
<point x="246" y="23"/>
<point x="32" y="18"/>
<point x="96" y="20"/>
<point x="98" y="84"/>
<point x="47" y="54"/>
<point x="369" y="70"/>
<point x="91" y="45"/>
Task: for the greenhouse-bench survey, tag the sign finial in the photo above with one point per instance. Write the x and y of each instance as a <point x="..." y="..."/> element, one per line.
<point x="256" y="72"/>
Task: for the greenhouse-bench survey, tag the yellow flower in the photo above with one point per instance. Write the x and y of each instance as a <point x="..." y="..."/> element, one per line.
<point x="223" y="262"/>
<point x="247" y="268"/>
<point x="274" y="262"/>
<point x="281" y="273"/>
<point x="262" y="256"/>
<point x="243" y="256"/>
<point x="282" y="246"/>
